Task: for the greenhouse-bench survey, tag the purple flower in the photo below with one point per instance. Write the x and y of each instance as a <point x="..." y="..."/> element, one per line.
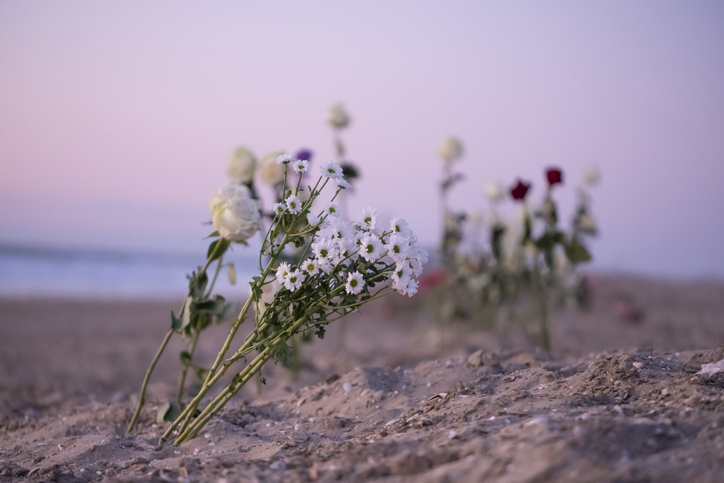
<point x="304" y="155"/>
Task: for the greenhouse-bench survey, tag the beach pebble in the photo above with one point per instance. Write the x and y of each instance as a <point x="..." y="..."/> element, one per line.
<point x="347" y="387"/>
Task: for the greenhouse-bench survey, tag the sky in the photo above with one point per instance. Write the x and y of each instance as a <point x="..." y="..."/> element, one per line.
<point x="117" y="118"/>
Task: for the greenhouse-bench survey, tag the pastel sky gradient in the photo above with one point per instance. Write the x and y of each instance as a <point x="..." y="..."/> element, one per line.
<point x="116" y="118"/>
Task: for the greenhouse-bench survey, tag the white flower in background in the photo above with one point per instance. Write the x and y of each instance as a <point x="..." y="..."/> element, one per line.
<point x="494" y="191"/>
<point x="279" y="208"/>
<point x="270" y="172"/>
<point x="324" y="248"/>
<point x="367" y="219"/>
<point x="355" y="283"/>
<point x="293" y="280"/>
<point x="283" y="270"/>
<point x="338" y="117"/>
<point x="313" y="219"/>
<point x="300" y="165"/>
<point x="397" y="247"/>
<point x="450" y="150"/>
<point x="242" y="164"/>
<point x="591" y="175"/>
<point x="294" y="204"/>
<point x="371" y="248"/>
<point x="310" y="266"/>
<point x="303" y="194"/>
<point x="285" y="158"/>
<point x="234" y="213"/>
<point x="331" y="169"/>
<point x="342" y="183"/>
<point x="332" y="209"/>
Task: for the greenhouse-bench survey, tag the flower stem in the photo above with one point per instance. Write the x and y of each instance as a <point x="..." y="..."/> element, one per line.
<point x="142" y="395"/>
<point x="542" y="306"/>
<point x="182" y="383"/>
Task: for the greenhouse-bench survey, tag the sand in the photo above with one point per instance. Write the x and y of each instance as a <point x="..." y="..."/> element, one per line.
<point x="403" y="399"/>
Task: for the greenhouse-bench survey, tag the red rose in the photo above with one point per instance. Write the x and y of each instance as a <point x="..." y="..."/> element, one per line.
<point x="554" y="176"/>
<point x="519" y="191"/>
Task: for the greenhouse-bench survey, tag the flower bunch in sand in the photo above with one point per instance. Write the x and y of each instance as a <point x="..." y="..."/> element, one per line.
<point x="527" y="257"/>
<point x="343" y="265"/>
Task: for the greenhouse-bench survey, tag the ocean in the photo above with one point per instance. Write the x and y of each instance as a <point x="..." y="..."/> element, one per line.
<point x="28" y="271"/>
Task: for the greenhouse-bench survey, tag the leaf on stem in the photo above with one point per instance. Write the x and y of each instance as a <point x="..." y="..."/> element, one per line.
<point x="214" y="253"/>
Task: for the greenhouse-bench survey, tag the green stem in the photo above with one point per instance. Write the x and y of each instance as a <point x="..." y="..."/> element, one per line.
<point x="142" y="395"/>
<point x="182" y="383"/>
<point x="542" y="305"/>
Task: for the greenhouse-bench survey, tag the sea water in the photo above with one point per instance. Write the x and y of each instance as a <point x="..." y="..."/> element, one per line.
<point x="122" y="274"/>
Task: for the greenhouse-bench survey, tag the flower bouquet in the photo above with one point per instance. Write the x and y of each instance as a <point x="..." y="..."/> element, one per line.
<point x="343" y="266"/>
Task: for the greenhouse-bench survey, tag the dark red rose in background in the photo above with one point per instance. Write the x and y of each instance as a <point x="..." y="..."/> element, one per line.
<point x="554" y="176"/>
<point x="304" y="155"/>
<point x="519" y="191"/>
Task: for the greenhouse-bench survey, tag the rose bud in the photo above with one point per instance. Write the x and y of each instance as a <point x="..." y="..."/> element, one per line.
<point x="554" y="175"/>
<point x="338" y="117"/>
<point x="450" y="150"/>
<point x="519" y="191"/>
<point x="242" y="164"/>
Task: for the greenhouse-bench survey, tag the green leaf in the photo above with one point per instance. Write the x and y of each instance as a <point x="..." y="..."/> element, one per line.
<point x="217" y="248"/>
<point x="185" y="358"/>
<point x="283" y="354"/>
<point x="168" y="412"/>
<point x="175" y="323"/>
<point x="576" y="252"/>
<point x="214" y="234"/>
<point x="230" y="309"/>
<point x="213" y="306"/>
<point x="186" y="313"/>
<point x="320" y="331"/>
<point x="197" y="285"/>
<point x="200" y="372"/>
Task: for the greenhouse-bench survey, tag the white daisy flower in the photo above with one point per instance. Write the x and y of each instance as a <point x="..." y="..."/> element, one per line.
<point x="324" y="248"/>
<point x="285" y="158"/>
<point x="355" y="283"/>
<point x="294" y="204"/>
<point x="399" y="225"/>
<point x="283" y="270"/>
<point x="300" y="165"/>
<point x="332" y="209"/>
<point x="402" y="273"/>
<point x="311" y="266"/>
<point x="339" y="228"/>
<point x="279" y="208"/>
<point x="416" y="266"/>
<point x="331" y="170"/>
<point x="343" y="183"/>
<point x="411" y="287"/>
<point x="313" y="219"/>
<point x="367" y="219"/>
<point x="398" y="247"/>
<point x="324" y="265"/>
<point x="371" y="249"/>
<point x="293" y="280"/>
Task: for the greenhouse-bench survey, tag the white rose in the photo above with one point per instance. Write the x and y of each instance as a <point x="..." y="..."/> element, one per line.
<point x="234" y="213"/>
<point x="591" y="175"/>
<point x="272" y="173"/>
<point x="242" y="164"/>
<point x="338" y="117"/>
<point x="450" y="150"/>
<point x="494" y="191"/>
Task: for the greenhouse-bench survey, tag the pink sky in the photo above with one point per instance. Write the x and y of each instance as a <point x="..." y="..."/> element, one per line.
<point x="116" y="118"/>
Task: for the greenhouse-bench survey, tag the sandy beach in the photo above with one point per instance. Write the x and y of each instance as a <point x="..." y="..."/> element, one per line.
<point x="401" y="399"/>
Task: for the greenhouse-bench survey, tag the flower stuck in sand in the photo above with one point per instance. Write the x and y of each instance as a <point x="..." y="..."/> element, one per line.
<point x="450" y="150"/>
